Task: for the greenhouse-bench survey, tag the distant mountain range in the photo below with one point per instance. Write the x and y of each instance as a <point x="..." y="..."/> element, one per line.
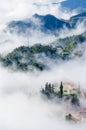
<point x="47" y="23"/>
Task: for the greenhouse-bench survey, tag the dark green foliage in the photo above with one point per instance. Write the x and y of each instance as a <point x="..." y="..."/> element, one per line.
<point x="48" y="90"/>
<point x="23" y="57"/>
<point x="64" y="42"/>
<point x="61" y="90"/>
<point x="23" y="66"/>
<point x="39" y="66"/>
<point x="75" y="100"/>
<point x="46" y="49"/>
<point x="67" y="50"/>
<point x="7" y="61"/>
<point x="69" y="117"/>
<point x="69" y="44"/>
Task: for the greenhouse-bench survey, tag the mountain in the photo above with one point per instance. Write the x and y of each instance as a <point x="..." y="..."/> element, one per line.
<point x="78" y="18"/>
<point x="41" y="57"/>
<point x="83" y="14"/>
<point x="26" y="58"/>
<point x="21" y="26"/>
<point x="73" y="4"/>
<point x="51" y="23"/>
<point x="65" y="41"/>
<point x="47" y="23"/>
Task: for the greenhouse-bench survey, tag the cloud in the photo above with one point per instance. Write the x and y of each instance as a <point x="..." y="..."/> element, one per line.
<point x="12" y="41"/>
<point x="79" y="29"/>
<point x="21" y="9"/>
<point x="22" y="106"/>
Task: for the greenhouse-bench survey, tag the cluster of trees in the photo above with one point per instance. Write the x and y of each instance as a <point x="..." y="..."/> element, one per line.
<point x="49" y="89"/>
<point x="25" y="56"/>
<point x="67" y="50"/>
<point x="48" y="50"/>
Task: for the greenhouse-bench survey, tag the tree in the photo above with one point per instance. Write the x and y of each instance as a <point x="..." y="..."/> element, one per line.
<point x="75" y="101"/>
<point x="46" y="86"/>
<point x="69" y="117"/>
<point x="52" y="88"/>
<point x="61" y="90"/>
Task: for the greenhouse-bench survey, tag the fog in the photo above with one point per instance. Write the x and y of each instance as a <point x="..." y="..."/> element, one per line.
<point x="10" y="41"/>
<point x="79" y="29"/>
<point x="21" y="9"/>
<point x="22" y="107"/>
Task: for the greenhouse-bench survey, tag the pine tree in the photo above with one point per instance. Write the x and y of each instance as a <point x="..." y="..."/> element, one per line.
<point x="46" y="86"/>
<point x="61" y="90"/>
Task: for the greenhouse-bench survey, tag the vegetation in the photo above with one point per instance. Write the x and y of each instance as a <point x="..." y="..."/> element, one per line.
<point x="61" y="90"/>
<point x="23" y="57"/>
<point x="50" y="91"/>
<point x="69" y="117"/>
<point x="28" y="58"/>
<point x="75" y="100"/>
<point x="67" y="50"/>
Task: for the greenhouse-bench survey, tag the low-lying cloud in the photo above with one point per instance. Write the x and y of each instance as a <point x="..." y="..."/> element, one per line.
<point x="23" y="107"/>
<point x="16" y="10"/>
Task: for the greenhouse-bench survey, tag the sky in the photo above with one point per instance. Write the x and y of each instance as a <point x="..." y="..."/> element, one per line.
<point x="74" y="5"/>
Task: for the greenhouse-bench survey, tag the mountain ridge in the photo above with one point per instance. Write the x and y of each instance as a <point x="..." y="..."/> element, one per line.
<point x="39" y="56"/>
<point x="47" y="23"/>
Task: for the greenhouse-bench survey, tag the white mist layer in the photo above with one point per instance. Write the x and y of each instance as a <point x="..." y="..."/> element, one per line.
<point x="21" y="9"/>
<point x="8" y="41"/>
<point x="21" y="105"/>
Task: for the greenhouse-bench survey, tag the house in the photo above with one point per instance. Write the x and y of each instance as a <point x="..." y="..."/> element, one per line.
<point x="79" y="115"/>
<point x="58" y="49"/>
<point x="68" y="88"/>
